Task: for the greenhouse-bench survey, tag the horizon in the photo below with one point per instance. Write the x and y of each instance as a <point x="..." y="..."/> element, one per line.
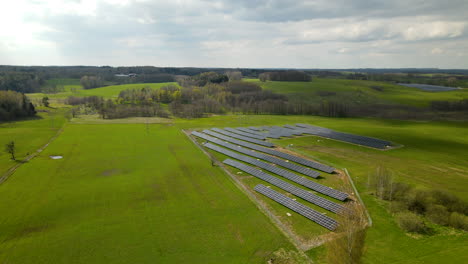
<point x="219" y="34"/>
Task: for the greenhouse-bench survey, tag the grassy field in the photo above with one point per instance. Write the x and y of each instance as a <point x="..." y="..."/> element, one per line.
<point x="137" y="190"/>
<point x="29" y="135"/>
<point x="107" y="92"/>
<point x="360" y="92"/>
<point x="125" y="193"/>
<point x="104" y="198"/>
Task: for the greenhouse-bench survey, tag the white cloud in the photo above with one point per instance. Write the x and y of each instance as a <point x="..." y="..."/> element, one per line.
<point x="244" y="33"/>
<point x="437" y="51"/>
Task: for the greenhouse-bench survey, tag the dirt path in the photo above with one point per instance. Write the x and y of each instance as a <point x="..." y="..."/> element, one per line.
<point x="12" y="170"/>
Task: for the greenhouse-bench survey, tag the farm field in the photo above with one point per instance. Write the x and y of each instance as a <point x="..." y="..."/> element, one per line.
<point x="360" y="92"/>
<point x="107" y="92"/>
<point x="29" y="135"/>
<point x="138" y="186"/>
<point x="128" y="194"/>
<point x="107" y="194"/>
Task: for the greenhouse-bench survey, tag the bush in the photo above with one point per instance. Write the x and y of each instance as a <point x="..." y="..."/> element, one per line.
<point x="438" y="214"/>
<point x="417" y="201"/>
<point x="398" y="206"/>
<point x="459" y="221"/>
<point x="411" y="222"/>
<point x="450" y="201"/>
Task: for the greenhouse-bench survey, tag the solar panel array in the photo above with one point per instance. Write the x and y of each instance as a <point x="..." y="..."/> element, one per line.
<point x="314" y="186"/>
<point x="312" y="198"/>
<point x="281" y="172"/>
<point x="351" y="138"/>
<point x="297" y="207"/>
<point x="242" y="133"/>
<point x="229" y="134"/>
<point x="248" y="130"/>
<point x="280" y="162"/>
<point x="280" y="154"/>
<point x="279" y="131"/>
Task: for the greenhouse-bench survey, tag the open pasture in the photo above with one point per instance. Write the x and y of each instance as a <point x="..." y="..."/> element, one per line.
<point x="128" y="193"/>
<point x="359" y="92"/>
<point x="79" y="204"/>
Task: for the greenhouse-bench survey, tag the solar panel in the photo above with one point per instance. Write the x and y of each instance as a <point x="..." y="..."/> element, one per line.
<point x="254" y="128"/>
<point x="247" y="130"/>
<point x="229" y="134"/>
<point x="346" y="137"/>
<point x="236" y="131"/>
<point x="310" y="197"/>
<point x="280" y="154"/>
<point x="279" y="171"/>
<point x="289" y="165"/>
<point x="277" y="131"/>
<point x="297" y="207"/>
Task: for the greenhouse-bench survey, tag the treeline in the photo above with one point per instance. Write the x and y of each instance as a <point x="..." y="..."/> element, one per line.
<point x="448" y="80"/>
<point x="21" y="82"/>
<point x="285" y="76"/>
<point x="412" y="206"/>
<point x="14" y="105"/>
<point x="449" y="106"/>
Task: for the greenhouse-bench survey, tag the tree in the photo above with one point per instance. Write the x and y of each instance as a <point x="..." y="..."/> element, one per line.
<point x="45" y="101"/>
<point x="347" y="247"/>
<point x="381" y="183"/>
<point x="11" y="149"/>
<point x="234" y="75"/>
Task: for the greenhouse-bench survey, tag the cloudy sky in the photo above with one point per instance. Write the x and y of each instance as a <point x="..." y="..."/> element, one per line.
<point x="236" y="33"/>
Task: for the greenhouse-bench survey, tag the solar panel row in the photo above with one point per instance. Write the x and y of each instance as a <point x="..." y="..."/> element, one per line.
<point x="318" y="187"/>
<point x="351" y="138"/>
<point x="254" y="128"/>
<point x="242" y="133"/>
<point x="278" y="131"/>
<point x="247" y="130"/>
<point x="258" y="142"/>
<point x="312" y="198"/>
<point x="297" y="207"/>
<point x="281" y="172"/>
<point x="280" y="154"/>
<point x="289" y="165"/>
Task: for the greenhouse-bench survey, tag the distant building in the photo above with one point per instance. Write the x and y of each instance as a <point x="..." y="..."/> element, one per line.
<point x="125" y="75"/>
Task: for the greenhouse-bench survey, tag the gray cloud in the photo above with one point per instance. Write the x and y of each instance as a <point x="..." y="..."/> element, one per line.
<point x="255" y="33"/>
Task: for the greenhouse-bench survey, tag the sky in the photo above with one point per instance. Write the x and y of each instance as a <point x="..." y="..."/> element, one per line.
<point x="236" y="33"/>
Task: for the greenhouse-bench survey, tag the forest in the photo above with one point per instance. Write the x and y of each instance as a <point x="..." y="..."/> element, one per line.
<point x="14" y="105"/>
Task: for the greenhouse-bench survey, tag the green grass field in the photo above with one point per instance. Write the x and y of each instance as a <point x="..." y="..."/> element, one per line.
<point x="29" y="135"/>
<point x="125" y="194"/>
<point x="137" y="190"/>
<point x="102" y="196"/>
<point x="107" y="92"/>
<point x="360" y="92"/>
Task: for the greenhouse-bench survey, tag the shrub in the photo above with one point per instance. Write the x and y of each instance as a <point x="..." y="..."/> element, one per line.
<point x="417" y="201"/>
<point x="398" y="206"/>
<point x="452" y="202"/>
<point x="438" y="214"/>
<point x="325" y="93"/>
<point x="411" y="222"/>
<point x="458" y="220"/>
<point x="400" y="190"/>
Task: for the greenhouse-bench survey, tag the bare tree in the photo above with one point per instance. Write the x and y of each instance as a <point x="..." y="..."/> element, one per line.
<point x="11" y="149"/>
<point x="347" y="245"/>
<point x="234" y="75"/>
<point x="381" y="182"/>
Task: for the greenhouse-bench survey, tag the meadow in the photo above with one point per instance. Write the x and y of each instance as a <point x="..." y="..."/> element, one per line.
<point x="360" y="92"/>
<point x="29" y="135"/>
<point x="137" y="190"/>
<point x="108" y="92"/>
<point x="129" y="194"/>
